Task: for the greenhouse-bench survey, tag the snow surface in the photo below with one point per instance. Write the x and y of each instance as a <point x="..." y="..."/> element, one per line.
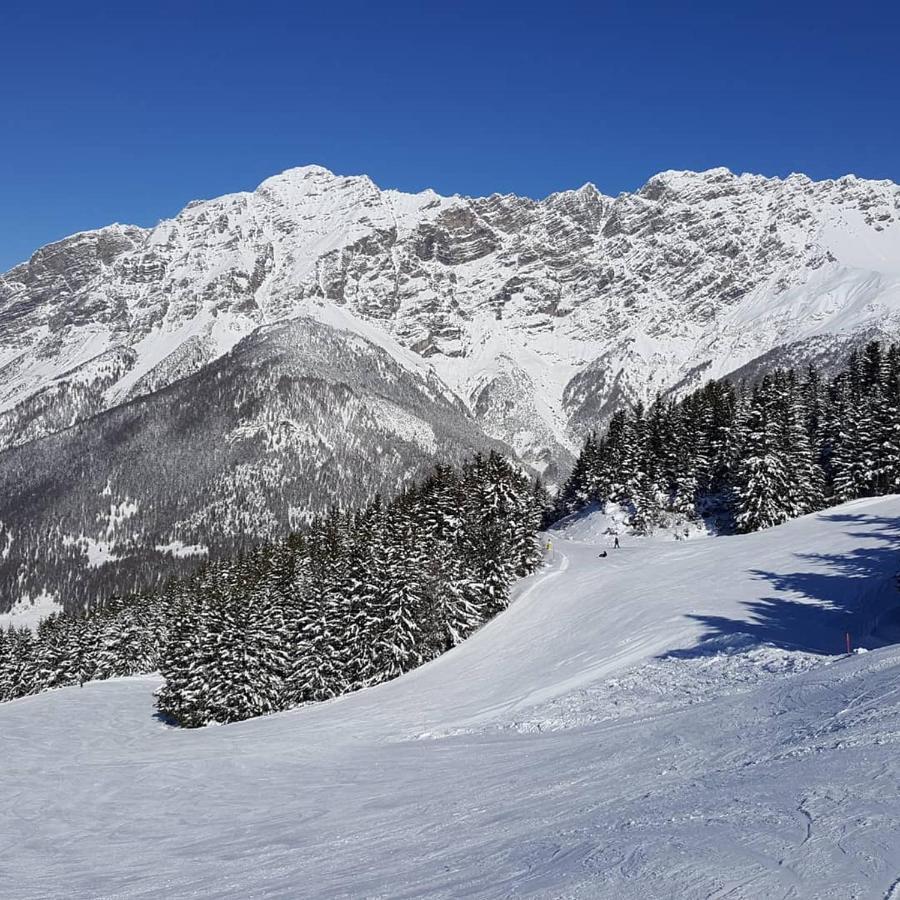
<point x="29" y="612"/>
<point x="601" y="524"/>
<point x="180" y="550"/>
<point x="675" y="720"/>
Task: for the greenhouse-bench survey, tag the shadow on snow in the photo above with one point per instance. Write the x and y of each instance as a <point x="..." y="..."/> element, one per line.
<point x="854" y="592"/>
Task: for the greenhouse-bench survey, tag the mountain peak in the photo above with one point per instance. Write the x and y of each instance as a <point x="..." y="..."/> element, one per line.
<point x="301" y="173"/>
<point x="312" y="175"/>
<point x="673" y="182"/>
<point x="539" y="317"/>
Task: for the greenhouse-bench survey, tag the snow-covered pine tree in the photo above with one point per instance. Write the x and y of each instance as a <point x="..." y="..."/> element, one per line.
<point x="542" y="502"/>
<point x="583" y="481"/>
<point x="250" y="664"/>
<point x="815" y="403"/>
<point x="50" y="663"/>
<point x="500" y="531"/>
<point x="686" y="460"/>
<point x="131" y="637"/>
<point x="638" y="476"/>
<point x="610" y="480"/>
<point x="762" y="490"/>
<point x="806" y="481"/>
<point x="185" y="662"/>
<point x="850" y="440"/>
<point x="6" y="651"/>
<point x="17" y="678"/>
<point x="886" y="413"/>
<point x="736" y="439"/>
<point x="455" y="598"/>
<point x="453" y="592"/>
<point x="319" y="668"/>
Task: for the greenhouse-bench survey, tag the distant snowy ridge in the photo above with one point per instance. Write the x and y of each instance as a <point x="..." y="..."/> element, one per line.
<point x="141" y="363"/>
<point x="538" y="314"/>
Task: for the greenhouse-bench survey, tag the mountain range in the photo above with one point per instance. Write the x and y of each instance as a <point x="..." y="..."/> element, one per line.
<point x="180" y="391"/>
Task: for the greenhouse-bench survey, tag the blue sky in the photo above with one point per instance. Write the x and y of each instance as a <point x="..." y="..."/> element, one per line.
<point x="113" y="113"/>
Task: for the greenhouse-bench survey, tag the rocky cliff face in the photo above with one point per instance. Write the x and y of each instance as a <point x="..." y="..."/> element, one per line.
<point x="523" y="308"/>
<point x="531" y="318"/>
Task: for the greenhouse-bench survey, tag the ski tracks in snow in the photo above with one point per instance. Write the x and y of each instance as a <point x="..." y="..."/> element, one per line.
<point x="631" y="727"/>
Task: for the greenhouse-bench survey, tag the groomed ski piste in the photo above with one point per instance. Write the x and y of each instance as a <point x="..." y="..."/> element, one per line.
<point x="678" y="719"/>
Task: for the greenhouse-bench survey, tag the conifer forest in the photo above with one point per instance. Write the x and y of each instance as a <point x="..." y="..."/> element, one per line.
<point x="751" y="455"/>
<point x="355" y="598"/>
<point x="361" y="595"/>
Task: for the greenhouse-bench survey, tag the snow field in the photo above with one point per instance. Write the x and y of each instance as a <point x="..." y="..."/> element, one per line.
<point x="675" y="720"/>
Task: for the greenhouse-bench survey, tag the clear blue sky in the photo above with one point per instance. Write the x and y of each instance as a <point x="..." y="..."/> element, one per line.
<point x="126" y="111"/>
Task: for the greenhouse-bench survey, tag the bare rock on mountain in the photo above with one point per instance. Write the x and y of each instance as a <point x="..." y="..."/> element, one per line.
<point x="532" y="319"/>
<point x="694" y="270"/>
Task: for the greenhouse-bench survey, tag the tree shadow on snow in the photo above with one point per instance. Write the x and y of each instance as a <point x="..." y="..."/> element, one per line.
<point x="813" y="610"/>
<point x="166" y="719"/>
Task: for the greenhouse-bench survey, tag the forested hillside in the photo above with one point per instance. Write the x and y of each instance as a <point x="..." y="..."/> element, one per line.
<point x="297" y="417"/>
<point x="356" y="598"/>
<point x="360" y="596"/>
<point x="754" y="455"/>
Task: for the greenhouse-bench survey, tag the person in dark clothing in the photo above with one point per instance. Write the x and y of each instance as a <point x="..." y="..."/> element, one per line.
<point x="601" y="555"/>
<point x="616" y="542"/>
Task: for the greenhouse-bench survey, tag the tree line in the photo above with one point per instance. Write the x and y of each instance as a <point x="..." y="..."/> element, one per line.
<point x="755" y="455"/>
<point x="357" y="597"/>
<point x="362" y="595"/>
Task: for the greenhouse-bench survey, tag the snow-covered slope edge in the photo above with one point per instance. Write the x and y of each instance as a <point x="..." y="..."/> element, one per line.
<point x="775" y="785"/>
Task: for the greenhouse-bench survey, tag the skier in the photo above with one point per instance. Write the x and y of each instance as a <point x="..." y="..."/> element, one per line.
<point x="616" y="542"/>
<point x="601" y="555"/>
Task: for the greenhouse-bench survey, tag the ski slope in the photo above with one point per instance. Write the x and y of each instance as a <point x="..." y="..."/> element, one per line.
<point x="675" y="720"/>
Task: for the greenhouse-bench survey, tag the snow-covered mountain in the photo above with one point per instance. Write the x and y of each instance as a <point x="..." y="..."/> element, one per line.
<point x="532" y="312"/>
<point x="531" y="319"/>
<point x="296" y="417"/>
<point x="676" y="720"/>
